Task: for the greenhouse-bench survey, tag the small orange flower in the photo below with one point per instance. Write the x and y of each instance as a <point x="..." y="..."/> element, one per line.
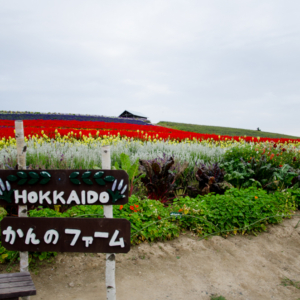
<point x="180" y="209"/>
<point x="131" y="207"/>
<point x="135" y="210"/>
<point x="255" y="197"/>
<point x="121" y="207"/>
<point x="136" y="205"/>
<point x="159" y="218"/>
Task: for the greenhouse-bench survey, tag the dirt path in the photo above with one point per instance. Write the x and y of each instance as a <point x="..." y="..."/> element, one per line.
<point x="240" y="267"/>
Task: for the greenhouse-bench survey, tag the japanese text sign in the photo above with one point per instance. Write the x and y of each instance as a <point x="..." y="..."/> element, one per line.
<point x="66" y="235"/>
<point x="58" y="187"/>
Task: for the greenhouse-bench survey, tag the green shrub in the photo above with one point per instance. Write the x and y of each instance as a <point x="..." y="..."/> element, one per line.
<point x="247" y="210"/>
<point x="276" y="155"/>
<point x="296" y="196"/>
<point x="149" y="220"/>
<point x="259" y="173"/>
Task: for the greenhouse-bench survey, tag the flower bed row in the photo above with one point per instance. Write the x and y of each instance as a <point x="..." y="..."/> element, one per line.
<point x="70" y="117"/>
<point x="78" y="130"/>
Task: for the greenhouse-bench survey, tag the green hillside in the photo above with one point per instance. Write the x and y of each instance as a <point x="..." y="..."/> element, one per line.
<point x="223" y="130"/>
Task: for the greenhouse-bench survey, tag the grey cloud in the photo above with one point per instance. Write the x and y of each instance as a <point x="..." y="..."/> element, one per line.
<point x="224" y="63"/>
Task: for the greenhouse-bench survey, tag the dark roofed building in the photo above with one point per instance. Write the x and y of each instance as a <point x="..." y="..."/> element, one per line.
<point x="132" y="114"/>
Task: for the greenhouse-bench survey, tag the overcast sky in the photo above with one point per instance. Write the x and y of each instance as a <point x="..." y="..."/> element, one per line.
<point x="231" y="63"/>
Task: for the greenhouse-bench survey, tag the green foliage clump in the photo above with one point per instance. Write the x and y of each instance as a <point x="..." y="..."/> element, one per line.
<point x="260" y="173"/>
<point x="130" y="169"/>
<point x="248" y="210"/>
<point x="149" y="220"/>
<point x="5" y="255"/>
<point x="276" y="155"/>
<point x="296" y="196"/>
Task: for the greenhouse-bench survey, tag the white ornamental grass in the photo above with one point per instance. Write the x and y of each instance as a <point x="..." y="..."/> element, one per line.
<point x="55" y="155"/>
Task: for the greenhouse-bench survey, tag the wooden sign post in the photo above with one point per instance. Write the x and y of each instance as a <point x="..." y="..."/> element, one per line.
<point x="71" y="187"/>
<point x="110" y="258"/>
<point x="22" y="209"/>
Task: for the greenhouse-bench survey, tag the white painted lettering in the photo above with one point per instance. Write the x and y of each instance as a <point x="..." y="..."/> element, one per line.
<point x="73" y="197"/>
<point x="20" y="233"/>
<point x="88" y="240"/>
<point x="113" y="241"/>
<point x="43" y="197"/>
<point x="92" y="197"/>
<point x="10" y="235"/>
<point x="76" y="236"/>
<point x="83" y="197"/>
<point x="23" y="196"/>
<point x="32" y="197"/>
<point x="58" y="197"/>
<point x="31" y="237"/>
<point x="50" y="235"/>
<point x="104" y="197"/>
<point x="100" y="234"/>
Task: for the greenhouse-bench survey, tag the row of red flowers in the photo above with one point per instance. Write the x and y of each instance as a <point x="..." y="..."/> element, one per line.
<point x="87" y="128"/>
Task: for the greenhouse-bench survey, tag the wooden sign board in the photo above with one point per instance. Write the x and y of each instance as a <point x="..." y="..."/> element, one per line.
<point x="66" y="235"/>
<point x="58" y="187"/>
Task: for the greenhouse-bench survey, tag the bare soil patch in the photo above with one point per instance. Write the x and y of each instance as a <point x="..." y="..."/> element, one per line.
<point x="239" y="267"/>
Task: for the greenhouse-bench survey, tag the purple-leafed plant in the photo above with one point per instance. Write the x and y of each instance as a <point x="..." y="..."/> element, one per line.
<point x="161" y="174"/>
<point x="210" y="180"/>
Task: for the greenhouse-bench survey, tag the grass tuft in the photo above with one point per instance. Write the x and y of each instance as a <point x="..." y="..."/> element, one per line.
<point x="217" y="298"/>
<point x="289" y="282"/>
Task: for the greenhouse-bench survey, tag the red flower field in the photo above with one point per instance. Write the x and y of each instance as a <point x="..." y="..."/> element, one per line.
<point x="78" y="129"/>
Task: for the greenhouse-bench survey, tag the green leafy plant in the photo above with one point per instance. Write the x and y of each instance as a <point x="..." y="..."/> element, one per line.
<point x="258" y="173"/>
<point x="295" y="192"/>
<point x="284" y="176"/>
<point x="254" y="172"/>
<point x="238" y="210"/>
<point x="149" y="220"/>
<point x="130" y="169"/>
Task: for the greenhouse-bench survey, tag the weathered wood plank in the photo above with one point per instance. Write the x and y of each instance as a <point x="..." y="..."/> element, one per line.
<point x="17" y="292"/>
<point x="14" y="279"/>
<point x="14" y="274"/>
<point x="16" y="284"/>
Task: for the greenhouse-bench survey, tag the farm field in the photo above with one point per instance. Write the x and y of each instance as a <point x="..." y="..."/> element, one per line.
<point x="222" y="186"/>
<point x="222" y="130"/>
